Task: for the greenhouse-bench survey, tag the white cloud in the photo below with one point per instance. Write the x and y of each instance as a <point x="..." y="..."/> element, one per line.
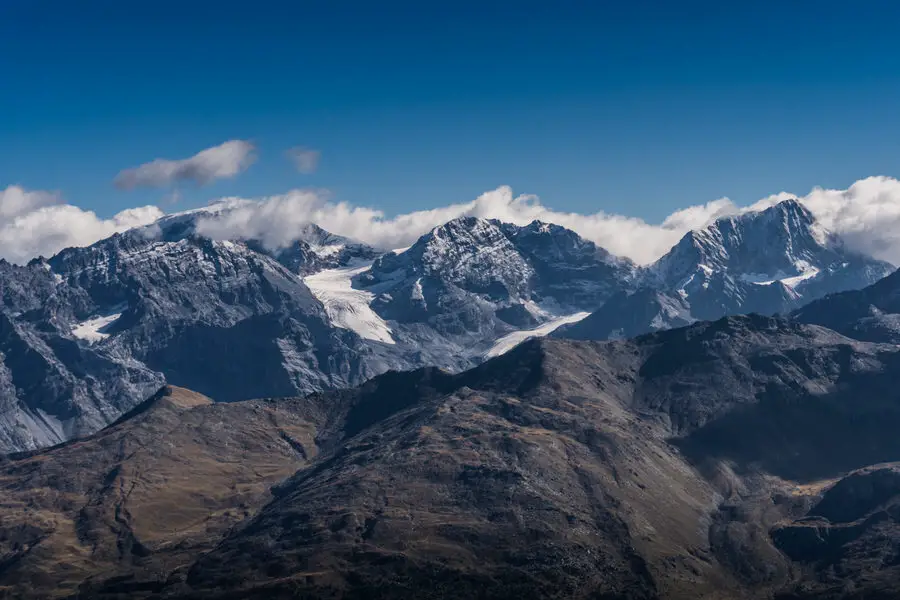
<point x="277" y="219"/>
<point x="867" y="215"/>
<point x="42" y="225"/>
<point x="219" y="162"/>
<point x="305" y="159"/>
<point x="15" y="201"/>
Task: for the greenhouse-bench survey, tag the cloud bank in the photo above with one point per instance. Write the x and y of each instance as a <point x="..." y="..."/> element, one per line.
<point x="219" y="162"/>
<point x="277" y="219"/>
<point x="866" y="215"/>
<point x="35" y="223"/>
<point x="305" y="159"/>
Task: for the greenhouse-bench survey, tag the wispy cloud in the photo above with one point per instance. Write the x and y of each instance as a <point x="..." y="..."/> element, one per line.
<point x="36" y="223"/>
<point x="305" y="159"/>
<point x="219" y="162"/>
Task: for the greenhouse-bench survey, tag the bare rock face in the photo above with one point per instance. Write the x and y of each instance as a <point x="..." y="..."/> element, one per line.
<point x="848" y="542"/>
<point x="732" y="265"/>
<point x="467" y="283"/>
<point x="94" y="331"/>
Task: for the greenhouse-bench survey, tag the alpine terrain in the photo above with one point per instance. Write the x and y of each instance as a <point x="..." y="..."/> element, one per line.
<point x="768" y="262"/>
<point x="91" y="332"/>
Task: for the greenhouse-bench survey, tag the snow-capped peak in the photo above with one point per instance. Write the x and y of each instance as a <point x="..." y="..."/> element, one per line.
<point x="782" y="239"/>
<point x="760" y="261"/>
<point x="473" y="253"/>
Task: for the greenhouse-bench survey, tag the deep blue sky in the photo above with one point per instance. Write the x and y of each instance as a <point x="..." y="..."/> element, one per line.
<point x="637" y="107"/>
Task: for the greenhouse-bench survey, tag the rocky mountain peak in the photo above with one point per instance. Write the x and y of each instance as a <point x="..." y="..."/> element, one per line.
<point x="550" y="242"/>
<point x="784" y="240"/>
<point x="744" y="256"/>
<point x="468" y="252"/>
<point x="463" y="236"/>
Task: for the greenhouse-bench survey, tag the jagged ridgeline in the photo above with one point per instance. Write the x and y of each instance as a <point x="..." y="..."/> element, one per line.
<point x="91" y="332"/>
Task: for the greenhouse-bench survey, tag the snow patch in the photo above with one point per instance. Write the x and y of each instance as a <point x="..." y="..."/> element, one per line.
<point x="793" y="281"/>
<point x="94" y="330"/>
<point x="806" y="271"/>
<point x="417" y="293"/>
<point x="535" y="310"/>
<point x="324" y="251"/>
<point x="511" y="340"/>
<point x="346" y="307"/>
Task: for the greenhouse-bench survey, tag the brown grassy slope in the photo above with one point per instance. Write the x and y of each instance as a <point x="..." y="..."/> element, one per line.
<point x="652" y="468"/>
<point x="144" y="496"/>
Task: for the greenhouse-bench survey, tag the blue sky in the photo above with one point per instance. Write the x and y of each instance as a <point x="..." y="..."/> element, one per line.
<point x="636" y="108"/>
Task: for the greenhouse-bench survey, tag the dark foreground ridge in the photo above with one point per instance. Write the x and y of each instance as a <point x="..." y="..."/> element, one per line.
<point x="751" y="457"/>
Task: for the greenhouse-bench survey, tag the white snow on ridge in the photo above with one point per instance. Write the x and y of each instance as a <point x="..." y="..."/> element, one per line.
<point x="326" y="251"/>
<point x="511" y="340"/>
<point x="809" y="273"/>
<point x="93" y="330"/>
<point x="806" y="270"/>
<point x="346" y="307"/>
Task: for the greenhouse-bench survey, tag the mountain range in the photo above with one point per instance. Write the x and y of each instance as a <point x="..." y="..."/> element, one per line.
<point x="383" y="425"/>
<point x="90" y="333"/>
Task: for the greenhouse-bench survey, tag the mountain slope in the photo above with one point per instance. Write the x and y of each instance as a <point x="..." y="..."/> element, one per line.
<point x="472" y="281"/>
<point x="52" y="388"/>
<point x="145" y="495"/>
<point x="870" y="314"/>
<point x="628" y="315"/>
<point x="93" y="331"/>
<point x="552" y="471"/>
<point x="185" y="306"/>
